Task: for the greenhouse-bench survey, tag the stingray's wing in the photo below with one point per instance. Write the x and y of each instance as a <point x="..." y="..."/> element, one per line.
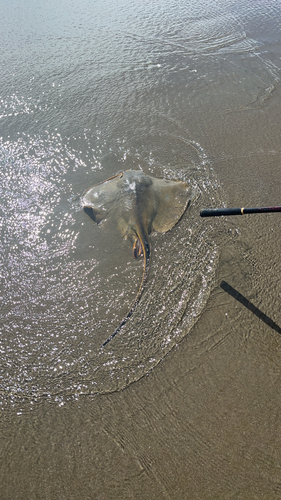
<point x="102" y="200"/>
<point x="172" y="200"/>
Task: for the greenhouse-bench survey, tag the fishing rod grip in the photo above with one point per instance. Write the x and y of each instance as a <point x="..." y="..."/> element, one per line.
<point x="214" y="212"/>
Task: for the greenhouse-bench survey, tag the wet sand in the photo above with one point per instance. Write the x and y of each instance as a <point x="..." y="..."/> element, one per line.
<point x="205" y="423"/>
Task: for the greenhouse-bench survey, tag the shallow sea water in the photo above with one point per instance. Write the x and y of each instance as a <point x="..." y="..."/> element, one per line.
<point x="184" y="401"/>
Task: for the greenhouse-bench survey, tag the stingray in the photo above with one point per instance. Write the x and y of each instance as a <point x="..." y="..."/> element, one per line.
<point x="138" y="204"/>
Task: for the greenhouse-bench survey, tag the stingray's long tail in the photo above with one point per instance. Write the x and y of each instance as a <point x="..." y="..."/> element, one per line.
<point x="143" y="238"/>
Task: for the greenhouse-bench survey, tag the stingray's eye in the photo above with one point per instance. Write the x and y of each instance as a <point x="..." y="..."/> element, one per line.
<point x="121" y="175"/>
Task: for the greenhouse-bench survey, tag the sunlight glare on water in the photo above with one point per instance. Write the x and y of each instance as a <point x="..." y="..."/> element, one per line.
<point x="126" y="94"/>
<point x="54" y="298"/>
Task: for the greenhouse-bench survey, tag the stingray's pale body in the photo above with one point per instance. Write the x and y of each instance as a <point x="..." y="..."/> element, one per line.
<point x="139" y="204"/>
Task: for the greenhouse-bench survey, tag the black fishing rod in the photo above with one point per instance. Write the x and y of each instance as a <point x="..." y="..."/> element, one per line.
<point x="214" y="212"/>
